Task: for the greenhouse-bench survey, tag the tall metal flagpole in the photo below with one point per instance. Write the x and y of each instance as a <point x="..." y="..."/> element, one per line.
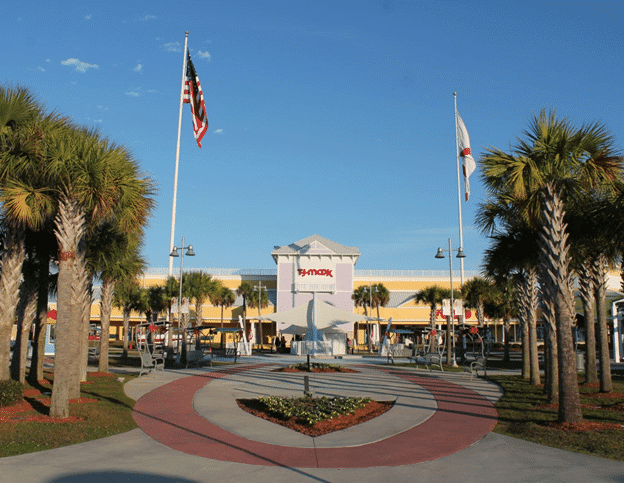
<point x="177" y="160"/>
<point x="461" y="228"/>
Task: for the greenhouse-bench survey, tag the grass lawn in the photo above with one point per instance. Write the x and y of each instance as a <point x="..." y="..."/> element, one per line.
<point x="110" y="414"/>
<point x="523" y="413"/>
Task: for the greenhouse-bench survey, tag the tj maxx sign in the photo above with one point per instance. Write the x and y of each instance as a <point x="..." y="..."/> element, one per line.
<point x="313" y="271"/>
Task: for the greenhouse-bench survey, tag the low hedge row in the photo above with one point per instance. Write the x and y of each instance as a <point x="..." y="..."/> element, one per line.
<point x="11" y="392"/>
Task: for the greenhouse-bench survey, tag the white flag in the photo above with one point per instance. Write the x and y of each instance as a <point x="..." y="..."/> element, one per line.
<point x="468" y="161"/>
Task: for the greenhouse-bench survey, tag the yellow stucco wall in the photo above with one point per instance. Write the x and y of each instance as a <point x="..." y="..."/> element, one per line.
<point x="409" y="313"/>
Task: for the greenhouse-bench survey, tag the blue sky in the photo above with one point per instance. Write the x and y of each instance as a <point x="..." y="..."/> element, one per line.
<point x="326" y="117"/>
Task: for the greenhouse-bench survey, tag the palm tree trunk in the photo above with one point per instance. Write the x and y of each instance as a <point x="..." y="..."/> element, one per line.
<point x="106" y="304"/>
<point x="69" y="230"/>
<point x="600" y="282"/>
<point x="554" y="241"/>
<point x="36" y="364"/>
<point x="10" y="276"/>
<point x="480" y="314"/>
<point x="87" y="300"/>
<point x="27" y="311"/>
<point x="551" y="383"/>
<point x="506" y="325"/>
<point x="531" y="293"/>
<point x="587" y="292"/>
<point x="526" y="351"/>
<point x="433" y="343"/>
<point x="126" y="331"/>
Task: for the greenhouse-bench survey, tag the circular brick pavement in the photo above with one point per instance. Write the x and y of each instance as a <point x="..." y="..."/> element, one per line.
<point x="463" y="417"/>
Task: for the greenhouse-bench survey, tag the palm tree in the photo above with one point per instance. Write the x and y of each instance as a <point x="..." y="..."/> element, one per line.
<point x="44" y="248"/>
<point x="158" y="300"/>
<point x="26" y="313"/>
<point x="25" y="203"/>
<point x="502" y="304"/>
<point x="431" y="296"/>
<point x="514" y="251"/>
<point x="96" y="180"/>
<point x="381" y="297"/>
<point x="199" y="286"/>
<point x="244" y="290"/>
<point x="127" y="297"/>
<point x="260" y="302"/>
<point x="360" y="299"/>
<point x="222" y="297"/>
<point x="556" y="162"/>
<point x="474" y="293"/>
<point x="113" y="256"/>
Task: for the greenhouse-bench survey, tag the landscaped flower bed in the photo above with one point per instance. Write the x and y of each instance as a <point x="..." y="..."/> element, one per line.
<point x="315" y="416"/>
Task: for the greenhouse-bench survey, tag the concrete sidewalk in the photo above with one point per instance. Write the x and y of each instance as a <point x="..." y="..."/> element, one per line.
<point x="420" y="395"/>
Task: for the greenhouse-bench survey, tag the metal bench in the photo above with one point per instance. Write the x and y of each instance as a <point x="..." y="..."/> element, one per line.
<point x="428" y="360"/>
<point x="479" y="364"/>
<point x="227" y="353"/>
<point x="151" y="362"/>
<point x="399" y="353"/>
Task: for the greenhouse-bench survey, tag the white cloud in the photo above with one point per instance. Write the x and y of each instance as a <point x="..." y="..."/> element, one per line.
<point x="219" y="131"/>
<point x="138" y="68"/>
<point x="149" y="17"/>
<point x="88" y="17"/>
<point x="173" y="47"/>
<point x="81" y="67"/>
<point x="203" y="55"/>
<point x="41" y="69"/>
<point x="132" y="93"/>
<point x="48" y="61"/>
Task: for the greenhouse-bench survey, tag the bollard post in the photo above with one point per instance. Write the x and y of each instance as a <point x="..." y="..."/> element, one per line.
<point x="306" y="387"/>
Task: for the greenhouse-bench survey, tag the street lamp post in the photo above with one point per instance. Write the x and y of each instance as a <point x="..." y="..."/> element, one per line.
<point x="174" y="253"/>
<point x="460" y="255"/>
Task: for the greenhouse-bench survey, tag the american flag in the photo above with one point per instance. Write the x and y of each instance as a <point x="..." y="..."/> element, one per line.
<point x="193" y="94"/>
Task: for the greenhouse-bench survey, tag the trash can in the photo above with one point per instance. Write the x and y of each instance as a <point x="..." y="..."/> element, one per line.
<point x="580" y="361"/>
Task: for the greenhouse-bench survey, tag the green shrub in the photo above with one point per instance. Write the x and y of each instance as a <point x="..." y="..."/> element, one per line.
<point x="11" y="392"/>
<point x="310" y="410"/>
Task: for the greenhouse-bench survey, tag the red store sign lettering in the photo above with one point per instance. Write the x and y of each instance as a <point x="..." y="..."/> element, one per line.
<point x="311" y="271"/>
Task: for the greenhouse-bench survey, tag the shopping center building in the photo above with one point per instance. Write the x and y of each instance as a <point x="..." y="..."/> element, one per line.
<point x="326" y="270"/>
<point x="312" y="267"/>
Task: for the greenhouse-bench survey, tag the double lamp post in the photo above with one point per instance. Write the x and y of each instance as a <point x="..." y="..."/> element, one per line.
<point x="460" y="254"/>
<point x="174" y="253"/>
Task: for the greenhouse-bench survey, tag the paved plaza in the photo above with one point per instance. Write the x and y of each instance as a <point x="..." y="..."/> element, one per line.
<point x="191" y="430"/>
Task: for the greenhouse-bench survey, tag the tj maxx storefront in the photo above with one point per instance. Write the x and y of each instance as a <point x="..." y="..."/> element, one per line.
<point x="314" y="266"/>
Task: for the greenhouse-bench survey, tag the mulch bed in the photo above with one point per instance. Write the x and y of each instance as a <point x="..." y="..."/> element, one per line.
<point x="13" y="414"/>
<point x="370" y="411"/>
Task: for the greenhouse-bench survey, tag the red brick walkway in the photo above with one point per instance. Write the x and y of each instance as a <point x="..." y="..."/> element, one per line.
<point x="463" y="417"/>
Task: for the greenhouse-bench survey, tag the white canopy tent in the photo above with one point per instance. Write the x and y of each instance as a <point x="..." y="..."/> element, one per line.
<point x="314" y="317"/>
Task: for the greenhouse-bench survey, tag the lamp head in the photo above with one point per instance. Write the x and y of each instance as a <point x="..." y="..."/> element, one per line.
<point x="174" y="252"/>
<point x="190" y="252"/>
<point x="460" y="253"/>
<point x="440" y="253"/>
